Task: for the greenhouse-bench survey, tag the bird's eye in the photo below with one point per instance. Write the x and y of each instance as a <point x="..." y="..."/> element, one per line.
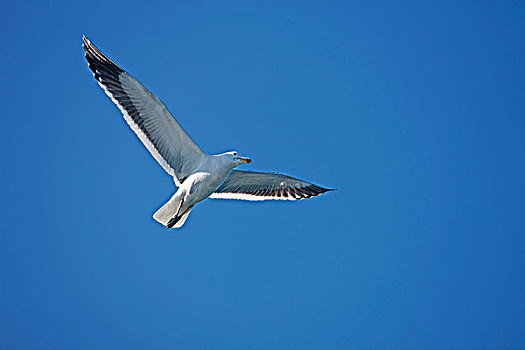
<point x="234" y="153"/>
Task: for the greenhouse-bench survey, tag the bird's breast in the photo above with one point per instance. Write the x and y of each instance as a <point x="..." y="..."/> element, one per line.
<point x="201" y="184"/>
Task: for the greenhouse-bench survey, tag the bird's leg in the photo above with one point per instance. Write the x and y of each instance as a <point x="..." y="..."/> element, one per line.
<point x="176" y="218"/>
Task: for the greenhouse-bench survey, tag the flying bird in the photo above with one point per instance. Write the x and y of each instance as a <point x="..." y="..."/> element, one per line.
<point x="197" y="174"/>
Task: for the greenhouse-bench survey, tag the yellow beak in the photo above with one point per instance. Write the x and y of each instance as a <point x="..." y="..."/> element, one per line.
<point x="245" y="160"/>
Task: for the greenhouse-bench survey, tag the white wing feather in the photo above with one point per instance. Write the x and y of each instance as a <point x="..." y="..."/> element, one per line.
<point x="259" y="186"/>
<point x="147" y="116"/>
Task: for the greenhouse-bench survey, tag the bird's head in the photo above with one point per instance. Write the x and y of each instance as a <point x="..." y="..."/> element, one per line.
<point x="237" y="159"/>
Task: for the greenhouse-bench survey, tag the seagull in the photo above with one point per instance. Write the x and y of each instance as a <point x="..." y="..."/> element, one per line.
<point x="197" y="174"/>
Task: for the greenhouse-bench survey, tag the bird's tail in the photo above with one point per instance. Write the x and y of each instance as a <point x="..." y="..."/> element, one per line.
<point x="169" y="214"/>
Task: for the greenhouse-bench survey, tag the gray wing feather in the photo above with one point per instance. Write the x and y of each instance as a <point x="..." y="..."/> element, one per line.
<point x="257" y="186"/>
<point x="145" y="113"/>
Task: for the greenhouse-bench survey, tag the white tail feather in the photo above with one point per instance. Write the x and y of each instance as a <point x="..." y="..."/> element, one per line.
<point x="168" y="210"/>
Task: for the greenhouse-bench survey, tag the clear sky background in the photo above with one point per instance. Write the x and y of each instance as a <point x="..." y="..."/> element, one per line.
<point x="414" y="111"/>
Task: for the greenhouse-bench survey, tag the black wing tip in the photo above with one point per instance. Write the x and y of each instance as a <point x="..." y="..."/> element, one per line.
<point x="321" y="189"/>
<point x="98" y="60"/>
<point x="310" y="191"/>
<point x="87" y="45"/>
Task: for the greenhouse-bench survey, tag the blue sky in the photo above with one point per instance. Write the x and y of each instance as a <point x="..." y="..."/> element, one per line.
<point x="415" y="112"/>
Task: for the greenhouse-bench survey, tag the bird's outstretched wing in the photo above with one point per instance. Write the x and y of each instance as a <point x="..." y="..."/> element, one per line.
<point x="259" y="186"/>
<point x="145" y="113"/>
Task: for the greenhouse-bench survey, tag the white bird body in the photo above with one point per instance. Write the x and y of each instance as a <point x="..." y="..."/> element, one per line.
<point x="197" y="174"/>
<point x="208" y="176"/>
